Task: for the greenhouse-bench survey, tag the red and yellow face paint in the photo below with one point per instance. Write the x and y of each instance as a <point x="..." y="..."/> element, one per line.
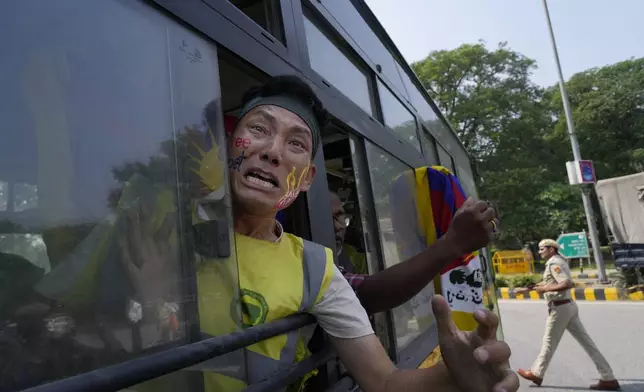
<point x="293" y="185"/>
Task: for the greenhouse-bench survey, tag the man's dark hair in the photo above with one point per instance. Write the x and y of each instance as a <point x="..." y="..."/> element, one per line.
<point x="293" y="86"/>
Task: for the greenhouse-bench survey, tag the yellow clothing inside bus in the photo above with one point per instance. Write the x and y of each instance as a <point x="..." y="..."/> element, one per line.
<point x="74" y="281"/>
<point x="357" y="259"/>
<point x="271" y="277"/>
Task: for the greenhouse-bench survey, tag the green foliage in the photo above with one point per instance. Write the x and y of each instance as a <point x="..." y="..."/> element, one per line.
<point x="629" y="277"/>
<point x="516" y="131"/>
<point x="608" y="110"/>
<point x="525" y="280"/>
<point x="502" y="120"/>
<point x="517" y="280"/>
<point x="501" y="281"/>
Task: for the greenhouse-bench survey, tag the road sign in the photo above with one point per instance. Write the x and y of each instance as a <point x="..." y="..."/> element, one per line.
<point x="573" y="245"/>
<point x="580" y="172"/>
<point x="587" y="172"/>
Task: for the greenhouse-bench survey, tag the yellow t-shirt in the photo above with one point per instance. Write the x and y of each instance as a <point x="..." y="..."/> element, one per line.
<point x="270" y="277"/>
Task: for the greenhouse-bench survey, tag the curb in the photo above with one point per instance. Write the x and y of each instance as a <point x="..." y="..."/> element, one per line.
<point x="584" y="284"/>
<point x="580" y="294"/>
<point x="636" y="293"/>
<point x="586" y="276"/>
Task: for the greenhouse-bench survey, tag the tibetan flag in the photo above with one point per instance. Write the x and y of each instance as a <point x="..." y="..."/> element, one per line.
<point x="436" y="195"/>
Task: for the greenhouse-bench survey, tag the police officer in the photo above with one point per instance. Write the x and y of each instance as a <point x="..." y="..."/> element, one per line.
<point x="563" y="314"/>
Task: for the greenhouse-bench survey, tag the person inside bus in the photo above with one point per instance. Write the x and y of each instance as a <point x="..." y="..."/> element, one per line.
<point x="396" y="285"/>
<point x="270" y="155"/>
<point x="350" y="260"/>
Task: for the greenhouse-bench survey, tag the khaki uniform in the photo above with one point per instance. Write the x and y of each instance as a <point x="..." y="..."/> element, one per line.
<point x="565" y="316"/>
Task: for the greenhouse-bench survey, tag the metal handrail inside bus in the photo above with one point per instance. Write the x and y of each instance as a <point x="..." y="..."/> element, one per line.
<point x="292" y="373"/>
<point x="136" y="371"/>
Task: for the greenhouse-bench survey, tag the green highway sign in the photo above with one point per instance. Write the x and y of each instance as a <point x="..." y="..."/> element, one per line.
<point x="573" y="245"/>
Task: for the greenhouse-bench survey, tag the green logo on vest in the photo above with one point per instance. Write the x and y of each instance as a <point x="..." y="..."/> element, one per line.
<point x="253" y="307"/>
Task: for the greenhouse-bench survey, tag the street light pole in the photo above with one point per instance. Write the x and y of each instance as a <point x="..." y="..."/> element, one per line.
<point x="585" y="190"/>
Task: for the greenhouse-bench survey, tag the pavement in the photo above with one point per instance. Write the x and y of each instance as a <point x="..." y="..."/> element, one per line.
<point x="581" y="294"/>
<point x="615" y="327"/>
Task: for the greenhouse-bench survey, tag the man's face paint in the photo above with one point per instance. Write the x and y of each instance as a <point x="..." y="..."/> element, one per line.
<point x="292" y="187"/>
<point x="235" y="163"/>
<point x="270" y="151"/>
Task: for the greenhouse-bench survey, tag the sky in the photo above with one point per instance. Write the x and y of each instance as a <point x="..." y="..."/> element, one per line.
<point x="589" y="33"/>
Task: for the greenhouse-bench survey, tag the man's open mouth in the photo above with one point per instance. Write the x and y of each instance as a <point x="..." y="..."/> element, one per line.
<point x="261" y="178"/>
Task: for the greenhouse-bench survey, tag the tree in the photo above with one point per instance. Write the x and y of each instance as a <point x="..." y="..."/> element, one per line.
<point x="503" y="121"/>
<point x="517" y="133"/>
<point x="608" y="110"/>
<point x="479" y="91"/>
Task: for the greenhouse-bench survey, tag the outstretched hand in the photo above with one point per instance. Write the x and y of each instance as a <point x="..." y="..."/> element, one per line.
<point x="476" y="361"/>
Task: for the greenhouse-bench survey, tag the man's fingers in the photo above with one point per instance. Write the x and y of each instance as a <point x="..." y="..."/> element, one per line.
<point x="468" y="202"/>
<point x="494" y="352"/>
<point x="509" y="384"/>
<point x="488" y="324"/>
<point x="443" y="315"/>
<point x="488" y="215"/>
<point x="481" y="206"/>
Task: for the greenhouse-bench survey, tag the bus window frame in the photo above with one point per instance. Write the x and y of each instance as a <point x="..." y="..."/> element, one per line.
<point x="325" y="27"/>
<point x="416" y="351"/>
<point x="384" y="322"/>
<point x="287" y="50"/>
<point x="319" y="6"/>
<point x="224" y="33"/>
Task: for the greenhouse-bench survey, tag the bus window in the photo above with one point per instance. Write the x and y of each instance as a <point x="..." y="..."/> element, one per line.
<point x="414" y="317"/>
<point x="429" y="148"/>
<point x="346" y="173"/>
<point x="266" y="13"/>
<point x="350" y="248"/>
<point x="4" y="195"/>
<point x="237" y="77"/>
<point x="337" y="65"/>
<point x="93" y="262"/>
<point x="397" y="117"/>
<point x="444" y="158"/>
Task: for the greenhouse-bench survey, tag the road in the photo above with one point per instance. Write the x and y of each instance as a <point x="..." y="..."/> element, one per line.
<point x="616" y="328"/>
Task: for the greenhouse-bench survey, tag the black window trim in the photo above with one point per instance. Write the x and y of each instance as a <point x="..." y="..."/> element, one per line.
<point x="378" y="29"/>
<point x="351" y="42"/>
<point x="385" y="320"/>
<point x="287" y="50"/>
<point x="372" y="21"/>
<point x="411" y="112"/>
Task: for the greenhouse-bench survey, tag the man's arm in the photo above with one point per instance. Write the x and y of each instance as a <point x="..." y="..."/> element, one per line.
<point x="378" y="373"/>
<point x="561" y="286"/>
<point x="470" y="230"/>
<point x="398" y="284"/>
<point x="339" y="313"/>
